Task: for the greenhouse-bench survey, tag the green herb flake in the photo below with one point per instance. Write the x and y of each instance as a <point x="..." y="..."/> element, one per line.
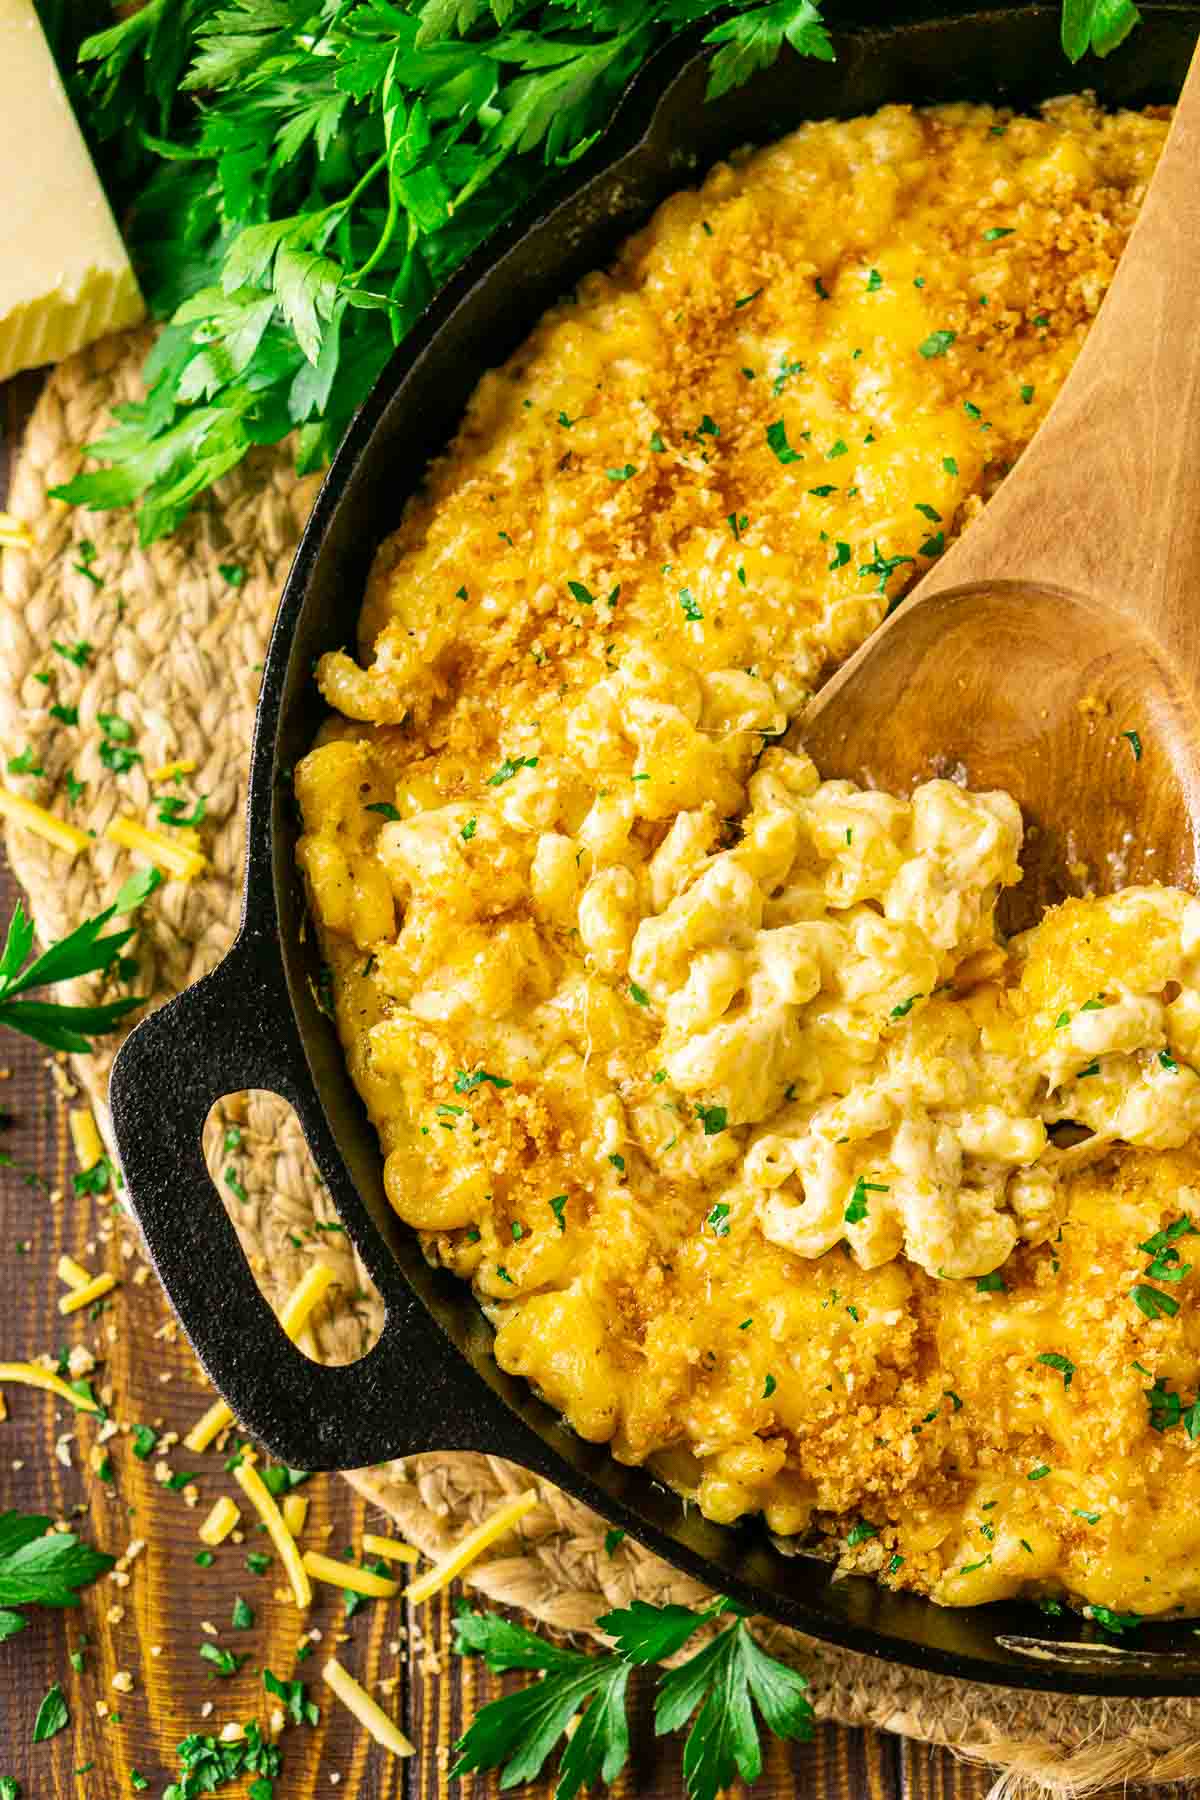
<point x="777" y="439"/>
<point x="1063" y="1364"/>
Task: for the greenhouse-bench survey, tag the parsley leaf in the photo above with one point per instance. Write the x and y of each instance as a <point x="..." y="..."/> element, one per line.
<point x="44" y="1568"/>
<point x="83" y="951"/>
<point x="1098" y="25"/>
<point x="52" y="1716"/>
<point x="719" y="1685"/>
<point x="519" y="1732"/>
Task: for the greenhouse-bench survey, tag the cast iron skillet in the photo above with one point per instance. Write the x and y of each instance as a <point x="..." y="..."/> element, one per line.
<point x="430" y="1382"/>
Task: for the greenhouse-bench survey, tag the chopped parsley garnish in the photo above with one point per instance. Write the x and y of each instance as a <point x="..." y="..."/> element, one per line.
<point x="656" y="442"/>
<point x="1168" y="1061"/>
<point x="769" y="1387"/>
<point x="930" y="512"/>
<point x="737" y="525"/>
<point x="992" y="1283"/>
<point x="466" y="1084"/>
<point x="778" y="441"/>
<point x="859" y="1533"/>
<point x="78" y="653"/>
<point x="823" y="492"/>
<point x="1027" y="392"/>
<point x="905" y="1007"/>
<point x="173" y="811"/>
<point x="838" y="448"/>
<point x="841" y="555"/>
<point x="1153" y="1302"/>
<point x="874" y="281"/>
<point x="950" y="465"/>
<point x="690" y="608"/>
<point x="937" y="343"/>
<point x="582" y="594"/>
<point x="558" y="1207"/>
<point x="1038" y="1474"/>
<point x="934" y="544"/>
<point x="144" y="1439"/>
<point x="718" y="1218"/>
<point x="856" y="1211"/>
<point x="1092" y="1068"/>
<point x="618" y="1162"/>
<point x="613" y="1538"/>
<point x="1135" y="744"/>
<point x="232" y="573"/>
<point x="226" y="1662"/>
<point x="1063" y="1364"/>
<point x="882" y="567"/>
<point x="621" y="474"/>
<point x="638" y="994"/>
<point x="66" y="715"/>
<point x="997" y="231"/>
<point x="713" y="1119"/>
<point x="384" y="808"/>
<point x="747" y="298"/>
<point x="512" y="765"/>
<point x="786" y="371"/>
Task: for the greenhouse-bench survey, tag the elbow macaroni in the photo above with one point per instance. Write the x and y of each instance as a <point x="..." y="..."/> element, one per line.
<point x="773" y="1168"/>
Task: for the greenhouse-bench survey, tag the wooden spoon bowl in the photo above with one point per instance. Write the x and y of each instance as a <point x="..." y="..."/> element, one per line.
<point x="1054" y="650"/>
<point x="1064" y="702"/>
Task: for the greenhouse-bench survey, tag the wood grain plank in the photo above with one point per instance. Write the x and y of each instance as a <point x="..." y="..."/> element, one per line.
<point x="168" y="1598"/>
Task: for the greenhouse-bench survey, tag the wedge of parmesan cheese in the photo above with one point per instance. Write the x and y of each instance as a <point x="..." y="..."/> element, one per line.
<point x="64" y="276"/>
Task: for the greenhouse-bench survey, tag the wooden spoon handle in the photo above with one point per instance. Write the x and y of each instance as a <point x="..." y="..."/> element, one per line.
<point x="1106" y="499"/>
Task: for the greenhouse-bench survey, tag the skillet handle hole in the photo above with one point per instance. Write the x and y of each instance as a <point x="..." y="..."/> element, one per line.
<point x="286" y="1221"/>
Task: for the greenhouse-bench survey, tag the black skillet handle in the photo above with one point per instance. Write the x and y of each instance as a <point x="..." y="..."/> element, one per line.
<point x="413" y="1391"/>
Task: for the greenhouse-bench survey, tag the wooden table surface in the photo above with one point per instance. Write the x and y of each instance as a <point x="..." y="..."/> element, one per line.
<point x="153" y="1627"/>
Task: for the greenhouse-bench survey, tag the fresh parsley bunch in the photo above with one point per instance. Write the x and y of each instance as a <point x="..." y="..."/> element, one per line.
<point x="717" y="1688"/>
<point x="299" y="177"/>
<point x="84" y="951"/>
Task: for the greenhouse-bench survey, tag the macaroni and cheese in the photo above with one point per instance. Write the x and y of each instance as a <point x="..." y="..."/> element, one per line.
<point x="773" y="1166"/>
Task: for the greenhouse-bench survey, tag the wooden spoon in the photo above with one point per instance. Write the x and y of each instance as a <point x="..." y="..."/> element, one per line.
<point x="1055" y="649"/>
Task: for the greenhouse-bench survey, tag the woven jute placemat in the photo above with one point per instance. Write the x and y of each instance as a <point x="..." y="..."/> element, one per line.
<point x="176" y="649"/>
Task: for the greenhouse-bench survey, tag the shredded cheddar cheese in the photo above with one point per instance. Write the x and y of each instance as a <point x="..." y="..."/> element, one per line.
<point x="295" y="1512"/>
<point x="72" y="1273"/>
<point x="184" y="765"/>
<point x="391" y="1549"/>
<point x="85" y="1137"/>
<point x="80" y="1297"/>
<point x="368" y="1713"/>
<point x="208" y="1427"/>
<point x="251" y="1484"/>
<point x="472" y="1547"/>
<point x="42" y="823"/>
<point x="220" y="1521"/>
<point x="29" y="1375"/>
<point x="171" y="857"/>
<point x="345" y="1575"/>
